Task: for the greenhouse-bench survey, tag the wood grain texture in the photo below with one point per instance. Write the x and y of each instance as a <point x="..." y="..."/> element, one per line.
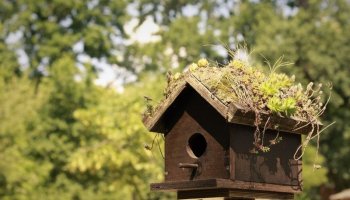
<point x="274" y="167"/>
<point x="232" y="194"/>
<point x="240" y="116"/>
<point x="198" y="117"/>
<point x="232" y="162"/>
<point x="222" y="183"/>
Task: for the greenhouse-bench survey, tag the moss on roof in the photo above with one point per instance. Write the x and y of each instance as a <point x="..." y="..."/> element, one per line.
<point x="254" y="90"/>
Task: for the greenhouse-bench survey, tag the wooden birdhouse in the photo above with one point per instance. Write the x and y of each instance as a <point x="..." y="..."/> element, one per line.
<point x="208" y="148"/>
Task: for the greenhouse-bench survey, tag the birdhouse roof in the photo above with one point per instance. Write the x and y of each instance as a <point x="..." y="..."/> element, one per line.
<point x="232" y="112"/>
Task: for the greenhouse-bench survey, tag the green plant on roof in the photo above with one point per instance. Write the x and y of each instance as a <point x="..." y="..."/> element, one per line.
<point x="246" y="85"/>
<point x="285" y="106"/>
<point x="275" y="83"/>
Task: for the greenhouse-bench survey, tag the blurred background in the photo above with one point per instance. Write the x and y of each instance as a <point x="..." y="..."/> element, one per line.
<point x="73" y="75"/>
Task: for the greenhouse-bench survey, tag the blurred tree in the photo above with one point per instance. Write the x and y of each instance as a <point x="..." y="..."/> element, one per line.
<point x="8" y="63"/>
<point x="75" y="140"/>
<point x="312" y="177"/>
<point x="312" y="34"/>
<point x="46" y="29"/>
<point x="70" y="139"/>
<point x="105" y="159"/>
<point x="19" y="116"/>
<point x="112" y="140"/>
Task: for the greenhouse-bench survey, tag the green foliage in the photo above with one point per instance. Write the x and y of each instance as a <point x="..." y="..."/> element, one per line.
<point x="268" y="89"/>
<point x="43" y="122"/>
<point x="312" y="177"/>
<point x="88" y="141"/>
<point x="19" y="117"/>
<point x="111" y="143"/>
<point x="50" y="28"/>
<point x="275" y="83"/>
<point x="286" y="106"/>
<point x="319" y="175"/>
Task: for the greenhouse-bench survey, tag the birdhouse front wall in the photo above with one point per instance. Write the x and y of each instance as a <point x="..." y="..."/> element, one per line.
<point x="201" y="137"/>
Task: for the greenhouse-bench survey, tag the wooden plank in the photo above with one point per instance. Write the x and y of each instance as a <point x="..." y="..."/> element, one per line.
<point x="275" y="167"/>
<point x="259" y="186"/>
<point x="232" y="159"/>
<point x="184" y="185"/>
<point x="207" y="95"/>
<point x="299" y="163"/>
<point x="206" y="193"/>
<point x="151" y="121"/>
<point x="249" y="194"/>
<point x="232" y="194"/>
<point x="240" y="116"/>
<point x="222" y="183"/>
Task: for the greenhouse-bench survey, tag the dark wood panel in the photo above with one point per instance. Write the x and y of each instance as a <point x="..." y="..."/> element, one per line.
<point x="222" y="183"/>
<point x="208" y="118"/>
<point x="232" y="163"/>
<point x="238" y="115"/>
<point x="232" y="194"/>
<point x="211" y="164"/>
<point x="184" y="185"/>
<point x="209" y="97"/>
<point x="276" y="166"/>
<point x="198" y="117"/>
<point x="155" y="122"/>
<point x="208" y="193"/>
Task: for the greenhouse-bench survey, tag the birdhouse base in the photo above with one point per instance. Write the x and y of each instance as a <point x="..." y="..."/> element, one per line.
<point x="232" y="194"/>
<point x="225" y="188"/>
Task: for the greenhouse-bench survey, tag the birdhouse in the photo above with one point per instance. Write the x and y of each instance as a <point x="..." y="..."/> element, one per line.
<point x="208" y="148"/>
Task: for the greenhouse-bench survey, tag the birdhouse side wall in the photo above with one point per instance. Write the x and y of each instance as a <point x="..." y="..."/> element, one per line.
<point x="277" y="166"/>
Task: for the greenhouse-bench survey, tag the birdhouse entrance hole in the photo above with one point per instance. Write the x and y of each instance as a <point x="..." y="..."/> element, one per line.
<point x="196" y="145"/>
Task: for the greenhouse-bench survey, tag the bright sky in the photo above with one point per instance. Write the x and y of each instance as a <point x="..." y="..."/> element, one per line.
<point x="144" y="33"/>
<point x="112" y="74"/>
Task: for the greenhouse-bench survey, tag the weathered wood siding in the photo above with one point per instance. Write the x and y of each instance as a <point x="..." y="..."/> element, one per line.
<point x="275" y="167"/>
<point x="197" y="117"/>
